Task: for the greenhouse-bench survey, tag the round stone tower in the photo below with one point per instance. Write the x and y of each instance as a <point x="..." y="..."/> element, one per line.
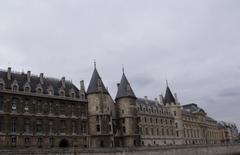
<point x="100" y="108"/>
<point x="126" y="109"/>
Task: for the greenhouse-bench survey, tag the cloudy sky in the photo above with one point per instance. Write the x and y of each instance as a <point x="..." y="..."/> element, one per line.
<point x="195" y="45"/>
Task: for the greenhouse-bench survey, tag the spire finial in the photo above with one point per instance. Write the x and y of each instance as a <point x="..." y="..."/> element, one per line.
<point x="95" y="64"/>
<point x="123" y="68"/>
<point x="167" y="82"/>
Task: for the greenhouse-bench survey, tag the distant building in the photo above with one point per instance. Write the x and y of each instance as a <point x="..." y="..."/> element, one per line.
<point x="38" y="111"/>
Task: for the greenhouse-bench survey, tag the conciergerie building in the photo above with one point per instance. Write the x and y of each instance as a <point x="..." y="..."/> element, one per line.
<point x="39" y="111"/>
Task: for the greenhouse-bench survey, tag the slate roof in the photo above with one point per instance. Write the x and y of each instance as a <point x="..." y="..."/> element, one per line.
<point x="55" y="83"/>
<point x="124" y="89"/>
<point x="169" y="96"/>
<point x="192" y="108"/>
<point x="147" y="102"/>
<point x="94" y="84"/>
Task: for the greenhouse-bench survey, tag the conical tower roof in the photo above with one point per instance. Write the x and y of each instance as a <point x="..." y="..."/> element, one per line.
<point x="169" y="96"/>
<point x="96" y="85"/>
<point x="124" y="89"/>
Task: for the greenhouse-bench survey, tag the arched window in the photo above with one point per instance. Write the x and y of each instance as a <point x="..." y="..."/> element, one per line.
<point x="62" y="92"/>
<point x="39" y="90"/>
<point x="14" y="88"/>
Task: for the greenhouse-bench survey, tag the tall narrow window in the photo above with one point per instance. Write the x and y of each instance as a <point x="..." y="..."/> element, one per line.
<point x="26" y="125"/>
<point x="98" y="128"/>
<point x="62" y="126"/>
<point x="50" y="124"/>
<point x="14" y="104"/>
<point x="14" y="124"/>
<point x="1" y="103"/>
<point x="39" y="126"/>
<point x="1" y="124"/>
<point x="74" y="127"/>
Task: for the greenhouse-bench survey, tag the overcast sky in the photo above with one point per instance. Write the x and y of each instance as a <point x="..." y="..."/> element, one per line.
<point x="195" y="45"/>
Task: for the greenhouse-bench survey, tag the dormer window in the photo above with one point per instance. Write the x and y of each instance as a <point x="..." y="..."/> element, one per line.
<point x="99" y="84"/>
<point x="73" y="95"/>
<point x="2" y="86"/>
<point x="27" y="89"/>
<point x="50" y="90"/>
<point x="39" y="90"/>
<point x="15" y="88"/>
<point x="62" y="93"/>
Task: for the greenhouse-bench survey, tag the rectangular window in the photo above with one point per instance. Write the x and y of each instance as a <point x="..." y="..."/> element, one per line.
<point x="98" y="128"/>
<point x="124" y="129"/>
<point x="39" y="126"/>
<point x="14" y="124"/>
<point x="1" y="103"/>
<point x="1" y="124"/>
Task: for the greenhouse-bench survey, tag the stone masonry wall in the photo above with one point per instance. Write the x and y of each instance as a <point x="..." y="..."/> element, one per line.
<point x="233" y="149"/>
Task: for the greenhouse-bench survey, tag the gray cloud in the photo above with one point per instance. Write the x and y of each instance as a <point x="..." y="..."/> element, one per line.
<point x="193" y="44"/>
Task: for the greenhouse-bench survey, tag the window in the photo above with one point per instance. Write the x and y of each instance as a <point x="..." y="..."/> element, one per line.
<point x="96" y="108"/>
<point x="50" y="124"/>
<point x="39" y="126"/>
<point x="39" y="90"/>
<point x="1" y="103"/>
<point x="1" y="86"/>
<point x="146" y="131"/>
<point x="73" y="95"/>
<point x="98" y="128"/>
<point x="124" y="129"/>
<point x="63" y="126"/>
<point x="26" y="109"/>
<point x="14" y="124"/>
<point x="50" y="92"/>
<point x="1" y="124"/>
<point x="152" y="131"/>
<point x="175" y="113"/>
<point x="176" y="124"/>
<point x="123" y="120"/>
<point x="14" y="104"/>
<point x="122" y="111"/>
<point x="62" y="93"/>
<point x="15" y="88"/>
<point x="27" y="89"/>
<point x="26" y="125"/>
<point x="74" y="127"/>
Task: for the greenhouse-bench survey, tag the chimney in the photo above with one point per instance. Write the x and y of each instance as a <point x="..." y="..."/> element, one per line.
<point x="118" y="84"/>
<point x="9" y="73"/>
<point x="41" y="78"/>
<point x="156" y="101"/>
<point x="161" y="99"/>
<point x="63" y="82"/>
<point x="146" y="99"/>
<point x="82" y="86"/>
<point x="28" y="76"/>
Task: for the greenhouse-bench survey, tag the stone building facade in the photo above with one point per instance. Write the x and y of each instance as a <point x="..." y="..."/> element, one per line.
<point x="38" y="111"/>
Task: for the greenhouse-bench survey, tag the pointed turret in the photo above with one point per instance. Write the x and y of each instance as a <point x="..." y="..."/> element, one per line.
<point x="169" y="96"/>
<point x="96" y="85"/>
<point x="124" y="89"/>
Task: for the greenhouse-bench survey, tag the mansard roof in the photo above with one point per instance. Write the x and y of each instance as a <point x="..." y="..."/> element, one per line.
<point x="169" y="96"/>
<point x="124" y="89"/>
<point x="147" y="102"/>
<point x="48" y="82"/>
<point x="96" y="84"/>
<point x="192" y="108"/>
